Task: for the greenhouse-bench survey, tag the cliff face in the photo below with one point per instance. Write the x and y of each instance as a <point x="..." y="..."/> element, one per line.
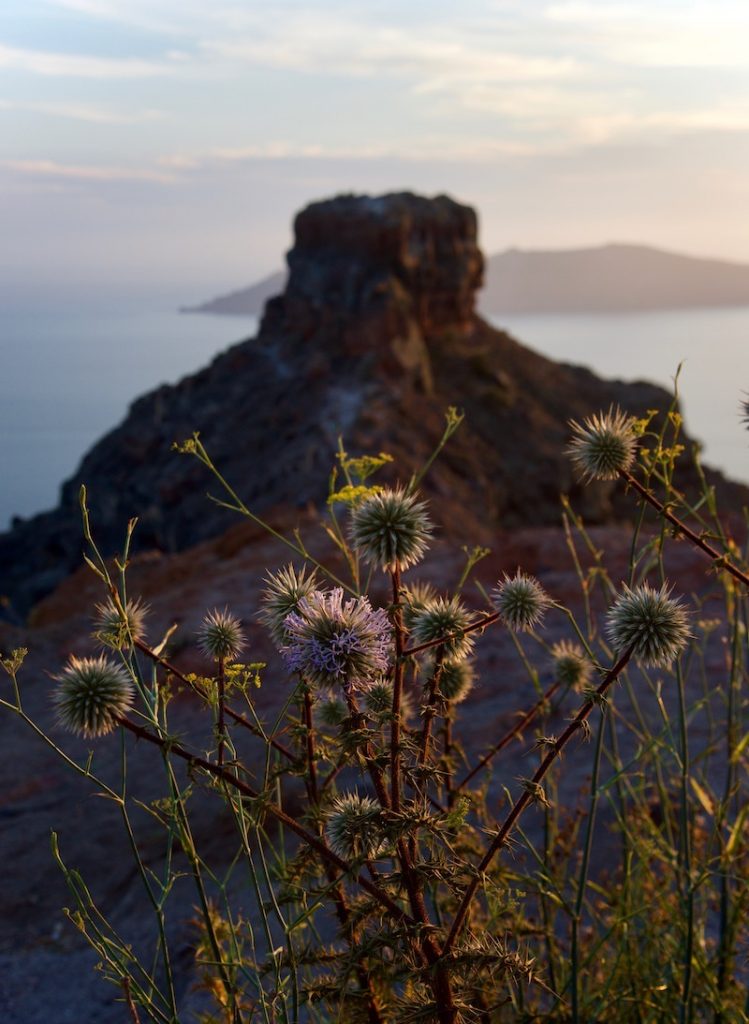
<point x="373" y="338"/>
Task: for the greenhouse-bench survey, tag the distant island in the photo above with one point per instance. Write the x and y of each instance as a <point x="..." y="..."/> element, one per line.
<point x="614" y="278"/>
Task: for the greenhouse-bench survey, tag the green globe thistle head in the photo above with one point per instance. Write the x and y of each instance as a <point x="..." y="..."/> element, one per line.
<point x="456" y="680"/>
<point x="378" y="701"/>
<point x="353" y="828"/>
<point x="284" y="590"/>
<point x="572" y="667"/>
<point x="651" y="622"/>
<point x="390" y="529"/>
<point x="521" y="601"/>
<point x="331" y="712"/>
<point x="92" y="694"/>
<point x="117" y="631"/>
<point x="220" y="636"/>
<point x="603" y="445"/>
<point x="444" y="617"/>
<point x="414" y="598"/>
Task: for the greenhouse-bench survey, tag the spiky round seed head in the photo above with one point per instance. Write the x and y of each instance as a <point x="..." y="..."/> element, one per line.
<point x="603" y="445"/>
<point x="378" y="700"/>
<point x="284" y="590"/>
<point x="220" y="636"/>
<point x="521" y="601"/>
<point x="91" y="694"/>
<point x="651" y="622"/>
<point x="745" y="410"/>
<point x="331" y="712"/>
<point x="333" y="642"/>
<point x="444" y="617"/>
<point x="572" y="667"/>
<point x="413" y="599"/>
<point x="391" y="529"/>
<point x="353" y="828"/>
<point x="118" y="631"/>
<point x="456" y="680"/>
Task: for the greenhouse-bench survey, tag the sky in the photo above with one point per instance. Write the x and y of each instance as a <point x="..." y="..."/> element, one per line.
<point x="148" y="143"/>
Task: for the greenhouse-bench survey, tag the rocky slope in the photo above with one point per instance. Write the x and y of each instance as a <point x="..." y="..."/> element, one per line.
<point x="373" y="338"/>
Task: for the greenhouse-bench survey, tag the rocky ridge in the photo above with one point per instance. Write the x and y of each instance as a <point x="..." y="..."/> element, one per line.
<point x="373" y="338"/>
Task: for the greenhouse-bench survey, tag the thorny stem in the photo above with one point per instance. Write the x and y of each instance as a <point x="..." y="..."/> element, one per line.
<point x="527" y="796"/>
<point x="310" y="742"/>
<point x="234" y="715"/>
<point x="509" y="736"/>
<point x="168" y="746"/>
<point x="221" y="679"/>
<point x="720" y="558"/>
<point x="482" y="623"/>
<point x="395" y="726"/>
<point x="129" y="1000"/>
<point x="431" y="709"/>
<point x="447" y="747"/>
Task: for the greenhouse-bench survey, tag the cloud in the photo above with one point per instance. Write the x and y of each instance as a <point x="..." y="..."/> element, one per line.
<point x="422" y="150"/>
<point x="696" y="35"/>
<point x="51" y="169"/>
<point x="83" y="112"/>
<point x="42" y="62"/>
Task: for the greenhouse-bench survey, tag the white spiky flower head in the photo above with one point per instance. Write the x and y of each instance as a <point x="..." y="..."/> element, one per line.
<point x="603" y="445"/>
<point x="651" y="622"/>
<point x="92" y="693"/>
<point x="521" y="601"/>
<point x="333" y="642"/>
<point x="414" y="597"/>
<point x="456" y="680"/>
<point x="444" y="617"/>
<point x="572" y="667"/>
<point x="391" y="529"/>
<point x="353" y="828"/>
<point x="118" y="631"/>
<point x="220" y="636"/>
<point x="284" y="590"/>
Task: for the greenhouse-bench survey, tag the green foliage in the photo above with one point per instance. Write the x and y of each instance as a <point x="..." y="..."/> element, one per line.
<point x="419" y="879"/>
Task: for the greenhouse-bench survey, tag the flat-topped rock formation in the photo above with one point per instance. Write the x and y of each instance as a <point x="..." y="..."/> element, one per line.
<point x="373" y="338"/>
<point x="615" y="278"/>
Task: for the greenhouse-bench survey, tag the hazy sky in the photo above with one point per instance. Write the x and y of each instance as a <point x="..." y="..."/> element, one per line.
<point x="157" y="142"/>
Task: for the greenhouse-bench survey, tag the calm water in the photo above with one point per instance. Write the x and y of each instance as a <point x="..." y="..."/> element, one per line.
<point x="712" y="345"/>
<point x="68" y="375"/>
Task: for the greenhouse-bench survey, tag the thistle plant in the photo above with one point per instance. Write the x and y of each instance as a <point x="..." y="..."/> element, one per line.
<point x="521" y="601"/>
<point x="390" y="529"/>
<point x="92" y="695"/>
<point x="220" y="635"/>
<point x="603" y="445"/>
<point x="404" y="806"/>
<point x="284" y="590"/>
<point x="118" y="625"/>
<point x="572" y="667"/>
<point x="650" y="623"/>
<point x="443" y="619"/>
<point x="335" y="642"/>
<point x="353" y="827"/>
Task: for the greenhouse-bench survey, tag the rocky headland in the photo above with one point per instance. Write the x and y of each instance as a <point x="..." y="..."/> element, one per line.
<point x="374" y="337"/>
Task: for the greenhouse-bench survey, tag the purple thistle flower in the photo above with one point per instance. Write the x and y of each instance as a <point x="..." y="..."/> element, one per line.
<point x="332" y="641"/>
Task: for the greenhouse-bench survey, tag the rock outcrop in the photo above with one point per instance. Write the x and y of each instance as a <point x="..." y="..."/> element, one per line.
<point x="374" y="337"/>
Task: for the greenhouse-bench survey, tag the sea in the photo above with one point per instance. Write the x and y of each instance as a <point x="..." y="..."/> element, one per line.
<point x="69" y="371"/>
